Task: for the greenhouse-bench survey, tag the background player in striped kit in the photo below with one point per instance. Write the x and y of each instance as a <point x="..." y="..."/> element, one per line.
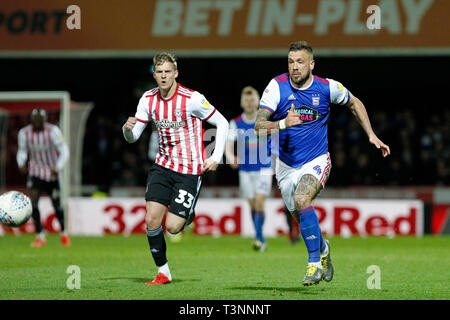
<point x="174" y="181"/>
<point x="42" y="144"/>
<point x="255" y="173"/>
<point x="296" y="105"/>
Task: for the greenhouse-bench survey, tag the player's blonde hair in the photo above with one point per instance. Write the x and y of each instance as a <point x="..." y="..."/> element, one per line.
<point x="162" y="57"/>
<point x="247" y="91"/>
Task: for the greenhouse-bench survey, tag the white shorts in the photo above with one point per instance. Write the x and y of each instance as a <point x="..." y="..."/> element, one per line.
<point x="289" y="177"/>
<point x="255" y="182"/>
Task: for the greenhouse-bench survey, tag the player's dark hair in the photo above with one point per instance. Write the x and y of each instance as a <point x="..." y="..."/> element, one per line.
<point x="162" y="57"/>
<point x="248" y="90"/>
<point x="40" y="112"/>
<point x="301" y="45"/>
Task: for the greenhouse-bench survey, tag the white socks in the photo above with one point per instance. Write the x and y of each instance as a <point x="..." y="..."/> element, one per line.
<point x="317" y="264"/>
<point x="165" y="270"/>
<point x="325" y="253"/>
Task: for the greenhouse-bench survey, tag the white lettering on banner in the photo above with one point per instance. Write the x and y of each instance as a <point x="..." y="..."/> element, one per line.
<point x="282" y="18"/>
<point x="415" y="10"/>
<point x="196" y="20"/>
<point x="329" y="12"/>
<point x="227" y="9"/>
<point x="390" y="16"/>
<point x="253" y="17"/>
<point x="277" y="17"/>
<point x="167" y="18"/>
<point x="352" y="24"/>
<point x="95" y="217"/>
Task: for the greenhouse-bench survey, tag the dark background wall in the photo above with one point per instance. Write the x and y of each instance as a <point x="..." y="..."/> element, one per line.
<point x="405" y="98"/>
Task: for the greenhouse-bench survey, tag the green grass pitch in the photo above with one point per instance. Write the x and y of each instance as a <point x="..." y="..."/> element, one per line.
<point x="224" y="268"/>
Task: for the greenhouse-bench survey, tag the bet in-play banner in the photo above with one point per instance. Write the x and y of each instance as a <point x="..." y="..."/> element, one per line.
<point x="100" y="216"/>
<point x="222" y="27"/>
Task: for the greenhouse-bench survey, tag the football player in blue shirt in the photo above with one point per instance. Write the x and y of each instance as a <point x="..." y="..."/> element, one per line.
<point x="253" y="160"/>
<point x="296" y="106"/>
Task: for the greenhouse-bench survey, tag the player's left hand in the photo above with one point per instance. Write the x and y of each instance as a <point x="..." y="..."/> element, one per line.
<point x="209" y="165"/>
<point x="385" y="151"/>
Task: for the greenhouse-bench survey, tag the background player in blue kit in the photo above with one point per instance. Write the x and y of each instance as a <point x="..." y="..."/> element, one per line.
<point x="296" y="105"/>
<point x="255" y="165"/>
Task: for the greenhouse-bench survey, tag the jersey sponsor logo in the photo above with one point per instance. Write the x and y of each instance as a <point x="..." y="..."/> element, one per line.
<point x="38" y="147"/>
<point x="307" y="114"/>
<point x="166" y="124"/>
<point x="291" y="97"/>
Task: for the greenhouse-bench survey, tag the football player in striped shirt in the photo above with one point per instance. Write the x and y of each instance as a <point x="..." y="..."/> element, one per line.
<point x="174" y="181"/>
<point x="43" y="146"/>
<point x="296" y="106"/>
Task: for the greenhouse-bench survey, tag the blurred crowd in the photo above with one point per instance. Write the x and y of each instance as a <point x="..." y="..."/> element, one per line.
<point x="419" y="143"/>
<point x="420" y="148"/>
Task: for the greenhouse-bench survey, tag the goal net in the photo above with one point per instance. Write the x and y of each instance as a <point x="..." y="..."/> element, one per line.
<point x="70" y="116"/>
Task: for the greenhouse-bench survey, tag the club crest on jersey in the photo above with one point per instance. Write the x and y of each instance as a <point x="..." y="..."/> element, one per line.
<point x="166" y="124"/>
<point x="315" y="100"/>
<point x="307" y="114"/>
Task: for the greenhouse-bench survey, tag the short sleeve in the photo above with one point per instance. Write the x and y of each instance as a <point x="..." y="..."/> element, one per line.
<point x="232" y="131"/>
<point x="271" y="97"/>
<point x="200" y="107"/>
<point x="338" y="93"/>
<point x="142" y="113"/>
<point x="56" y="136"/>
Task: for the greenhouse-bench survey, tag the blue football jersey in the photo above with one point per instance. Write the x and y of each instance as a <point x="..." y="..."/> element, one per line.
<point x="307" y="141"/>
<point x="253" y="151"/>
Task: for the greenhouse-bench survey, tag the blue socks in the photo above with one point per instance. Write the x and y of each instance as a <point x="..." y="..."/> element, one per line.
<point x="258" y="222"/>
<point x="310" y="229"/>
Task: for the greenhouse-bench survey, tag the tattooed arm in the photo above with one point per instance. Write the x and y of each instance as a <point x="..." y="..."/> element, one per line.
<point x="265" y="127"/>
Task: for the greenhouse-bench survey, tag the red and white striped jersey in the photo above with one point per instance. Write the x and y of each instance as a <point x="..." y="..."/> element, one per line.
<point x="179" y="122"/>
<point x="45" y="149"/>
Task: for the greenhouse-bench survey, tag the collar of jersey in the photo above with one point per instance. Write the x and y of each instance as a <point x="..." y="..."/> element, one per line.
<point x="174" y="94"/>
<point x="244" y="118"/>
<point x="302" y="88"/>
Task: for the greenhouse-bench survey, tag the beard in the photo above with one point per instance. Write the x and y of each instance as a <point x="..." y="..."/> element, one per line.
<point x="301" y="80"/>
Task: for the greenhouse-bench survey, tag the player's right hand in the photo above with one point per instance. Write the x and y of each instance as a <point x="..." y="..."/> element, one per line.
<point x="129" y="125"/>
<point x="209" y="165"/>
<point x="235" y="163"/>
<point x="292" y="119"/>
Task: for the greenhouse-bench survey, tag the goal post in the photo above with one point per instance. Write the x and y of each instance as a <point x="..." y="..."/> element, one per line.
<point x="21" y="103"/>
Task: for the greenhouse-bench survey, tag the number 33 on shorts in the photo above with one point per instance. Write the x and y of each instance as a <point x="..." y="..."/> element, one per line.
<point x="182" y="198"/>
